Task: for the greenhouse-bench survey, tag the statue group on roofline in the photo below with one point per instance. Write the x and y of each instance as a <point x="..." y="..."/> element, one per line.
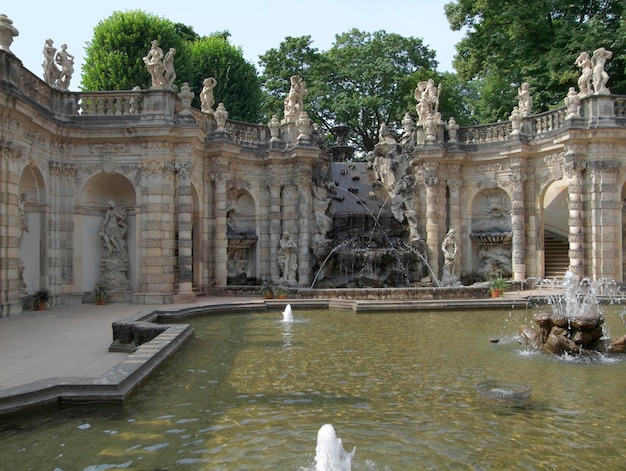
<point x="58" y="66"/>
<point x="160" y="66"/>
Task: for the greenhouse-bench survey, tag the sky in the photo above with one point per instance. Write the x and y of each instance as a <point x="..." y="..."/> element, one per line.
<point x="255" y="25"/>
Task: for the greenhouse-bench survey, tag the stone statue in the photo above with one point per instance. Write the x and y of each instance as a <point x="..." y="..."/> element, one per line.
<point x="112" y="231"/>
<point x="294" y="102"/>
<point x="449" y="249"/>
<point x="516" y="120"/>
<point x="427" y="96"/>
<point x="169" y="74"/>
<point x="584" y="81"/>
<point x="221" y="115"/>
<point x="66" y="62"/>
<point x="525" y="101"/>
<point x="207" y="99"/>
<point x="599" y="76"/>
<point x="7" y="32"/>
<point x="154" y="64"/>
<point x="50" y="71"/>
<point x="23" y="215"/>
<point x="288" y="258"/>
<point x="496" y="258"/>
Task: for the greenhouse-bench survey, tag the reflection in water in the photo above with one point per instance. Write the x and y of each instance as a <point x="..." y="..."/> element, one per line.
<point x="251" y="392"/>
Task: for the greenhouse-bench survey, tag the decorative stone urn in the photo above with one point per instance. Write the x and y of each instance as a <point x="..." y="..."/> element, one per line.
<point x="7" y="32"/>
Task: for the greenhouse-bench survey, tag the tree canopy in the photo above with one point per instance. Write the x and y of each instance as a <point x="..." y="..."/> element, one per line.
<point x="534" y="41"/>
<point x="364" y="80"/>
<point x="114" y="60"/>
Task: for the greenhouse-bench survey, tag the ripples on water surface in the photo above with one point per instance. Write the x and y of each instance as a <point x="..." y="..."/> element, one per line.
<point x="250" y="392"/>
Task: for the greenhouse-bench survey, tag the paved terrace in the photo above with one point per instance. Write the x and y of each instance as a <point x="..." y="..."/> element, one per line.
<point x="61" y="355"/>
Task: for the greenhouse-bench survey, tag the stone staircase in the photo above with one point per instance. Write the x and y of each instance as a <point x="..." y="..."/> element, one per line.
<point x="556" y="255"/>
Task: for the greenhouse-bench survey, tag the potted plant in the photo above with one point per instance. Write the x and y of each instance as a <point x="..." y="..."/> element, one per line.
<point x="100" y="295"/>
<point x="497" y="283"/>
<point x="267" y="290"/>
<point x="40" y="299"/>
<point x="280" y="292"/>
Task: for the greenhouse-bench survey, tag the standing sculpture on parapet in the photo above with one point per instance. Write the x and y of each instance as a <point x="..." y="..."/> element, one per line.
<point x="50" y="70"/>
<point x="169" y="74"/>
<point x="427" y="96"/>
<point x="584" y="81"/>
<point x="525" y="100"/>
<point x="599" y="76"/>
<point x="154" y="64"/>
<point x="66" y="61"/>
<point x="207" y="99"/>
<point x="294" y="101"/>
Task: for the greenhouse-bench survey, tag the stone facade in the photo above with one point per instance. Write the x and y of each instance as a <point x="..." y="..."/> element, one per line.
<point x="204" y="201"/>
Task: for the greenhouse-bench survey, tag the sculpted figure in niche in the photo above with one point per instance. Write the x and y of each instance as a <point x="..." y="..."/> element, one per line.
<point x="599" y="76"/>
<point x="113" y="230"/>
<point x="288" y="258"/>
<point x="584" y="81"/>
<point x="496" y="258"/>
<point x="50" y="70"/>
<point x="207" y="99"/>
<point x="525" y="101"/>
<point x="66" y="61"/>
<point x="154" y="64"/>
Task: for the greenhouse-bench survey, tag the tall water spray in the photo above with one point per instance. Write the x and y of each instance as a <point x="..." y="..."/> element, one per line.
<point x="329" y="452"/>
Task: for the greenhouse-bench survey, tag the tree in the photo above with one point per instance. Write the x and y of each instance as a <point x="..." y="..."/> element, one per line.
<point x="238" y="85"/>
<point x="114" y="60"/>
<point x="534" y="41"/>
<point x="364" y="80"/>
<point x="114" y="57"/>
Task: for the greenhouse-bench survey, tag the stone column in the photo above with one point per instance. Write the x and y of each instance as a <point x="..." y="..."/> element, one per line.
<point x="518" y="256"/>
<point x="605" y="207"/>
<point x="10" y="304"/>
<point x="431" y="180"/>
<point x="305" y="210"/>
<point x="275" y="188"/>
<point x="155" y="223"/>
<point x="184" y="214"/>
<point x="61" y="227"/>
<point x="454" y="187"/>
<point x="220" y="239"/>
<point x="575" y="221"/>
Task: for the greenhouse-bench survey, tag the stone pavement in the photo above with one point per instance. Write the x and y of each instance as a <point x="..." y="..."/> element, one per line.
<point x="61" y="354"/>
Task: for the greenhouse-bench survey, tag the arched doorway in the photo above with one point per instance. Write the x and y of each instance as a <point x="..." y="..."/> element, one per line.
<point x="108" y="235"/>
<point x="555" y="230"/>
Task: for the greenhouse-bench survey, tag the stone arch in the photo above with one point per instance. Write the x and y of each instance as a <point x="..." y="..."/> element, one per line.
<point x="554" y="229"/>
<point x="32" y="245"/>
<point x="242" y="234"/>
<point x="491" y="232"/>
<point x="99" y="192"/>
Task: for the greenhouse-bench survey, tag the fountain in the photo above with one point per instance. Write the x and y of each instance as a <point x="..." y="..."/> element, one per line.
<point x="329" y="452"/>
<point x="287" y="314"/>
<point x="576" y="323"/>
<point x="248" y="392"/>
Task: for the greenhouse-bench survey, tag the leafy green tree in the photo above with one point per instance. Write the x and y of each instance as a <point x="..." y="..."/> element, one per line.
<point x="364" y="80"/>
<point x="534" y="41"/>
<point x="238" y="85"/>
<point x="114" y="57"/>
<point x="114" y="60"/>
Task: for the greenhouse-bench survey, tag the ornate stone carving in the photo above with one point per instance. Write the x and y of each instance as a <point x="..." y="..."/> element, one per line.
<point x="7" y="33"/>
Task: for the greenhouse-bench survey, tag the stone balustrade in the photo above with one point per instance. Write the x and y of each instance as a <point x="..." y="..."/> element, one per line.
<point x="484" y="134"/>
<point x="110" y="103"/>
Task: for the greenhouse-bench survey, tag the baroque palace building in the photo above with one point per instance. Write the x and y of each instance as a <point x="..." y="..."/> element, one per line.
<point x="158" y="201"/>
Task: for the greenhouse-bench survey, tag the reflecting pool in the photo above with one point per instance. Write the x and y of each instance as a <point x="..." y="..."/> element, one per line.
<point x="250" y="392"/>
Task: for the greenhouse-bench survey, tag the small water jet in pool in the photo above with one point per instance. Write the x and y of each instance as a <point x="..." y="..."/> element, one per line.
<point x="288" y="314"/>
<point x="329" y="452"/>
<point x="504" y="391"/>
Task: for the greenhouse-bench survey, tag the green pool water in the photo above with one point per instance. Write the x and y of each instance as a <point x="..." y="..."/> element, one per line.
<point x="250" y="392"/>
